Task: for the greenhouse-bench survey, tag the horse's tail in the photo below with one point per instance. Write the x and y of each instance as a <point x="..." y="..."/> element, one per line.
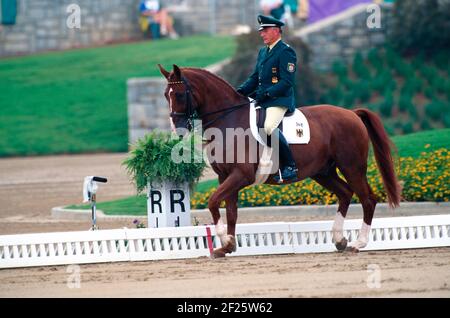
<point x="382" y="148"/>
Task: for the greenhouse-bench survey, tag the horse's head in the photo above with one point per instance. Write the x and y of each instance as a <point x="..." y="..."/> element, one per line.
<point x="181" y="99"/>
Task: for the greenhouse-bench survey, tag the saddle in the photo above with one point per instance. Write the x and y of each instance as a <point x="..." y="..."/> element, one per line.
<point x="294" y="125"/>
<point x="261" y="114"/>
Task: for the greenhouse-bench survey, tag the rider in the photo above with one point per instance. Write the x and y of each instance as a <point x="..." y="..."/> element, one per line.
<point x="272" y="86"/>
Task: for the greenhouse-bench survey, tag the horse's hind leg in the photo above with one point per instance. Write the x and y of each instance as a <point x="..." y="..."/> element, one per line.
<point x="335" y="184"/>
<point x="357" y="180"/>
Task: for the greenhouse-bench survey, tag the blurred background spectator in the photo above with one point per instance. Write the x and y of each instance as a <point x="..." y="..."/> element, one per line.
<point x="155" y="20"/>
<point x="9" y="11"/>
<point x="274" y="8"/>
<point x="303" y="10"/>
<point x="292" y="12"/>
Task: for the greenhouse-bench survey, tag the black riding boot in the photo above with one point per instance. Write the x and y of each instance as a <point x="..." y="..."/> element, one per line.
<point x="287" y="162"/>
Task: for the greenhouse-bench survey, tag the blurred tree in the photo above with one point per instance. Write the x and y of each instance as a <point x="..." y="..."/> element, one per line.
<point x="421" y="25"/>
<point x="446" y="120"/>
<point x="243" y="61"/>
<point x="407" y="127"/>
<point x="425" y="124"/>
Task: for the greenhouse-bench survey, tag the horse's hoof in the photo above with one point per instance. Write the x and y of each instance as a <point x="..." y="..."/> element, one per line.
<point x="230" y="247"/>
<point x="341" y="246"/>
<point x="218" y="253"/>
<point x="352" y="249"/>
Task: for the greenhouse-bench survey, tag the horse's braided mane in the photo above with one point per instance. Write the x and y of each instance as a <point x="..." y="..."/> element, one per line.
<point x="208" y="74"/>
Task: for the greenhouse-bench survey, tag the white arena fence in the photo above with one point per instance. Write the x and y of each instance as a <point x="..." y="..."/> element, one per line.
<point x="121" y="245"/>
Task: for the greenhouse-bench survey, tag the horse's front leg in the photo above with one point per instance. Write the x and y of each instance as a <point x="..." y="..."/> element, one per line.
<point x="228" y="191"/>
<point x="228" y="241"/>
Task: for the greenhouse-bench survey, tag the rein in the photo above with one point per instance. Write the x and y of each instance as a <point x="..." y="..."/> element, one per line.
<point x="191" y="114"/>
<point x="227" y="111"/>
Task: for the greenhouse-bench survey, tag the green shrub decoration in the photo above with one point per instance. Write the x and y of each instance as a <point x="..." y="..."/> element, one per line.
<point x="374" y="59"/>
<point x="340" y="69"/>
<point x="435" y="109"/>
<point x="440" y="85"/>
<point x="446" y="120"/>
<point x="336" y="94"/>
<point x="349" y="100"/>
<point x="392" y="57"/>
<point x="359" y="67"/>
<point x="429" y="93"/>
<point x="389" y="129"/>
<point x="447" y="89"/>
<point x="151" y="160"/>
<point x="362" y="91"/>
<point x="408" y="90"/>
<point x="405" y="102"/>
<point x="387" y="104"/>
<point x="379" y="82"/>
<point x="425" y="124"/>
<point x="405" y="70"/>
<point x="412" y="110"/>
<point x="408" y="127"/>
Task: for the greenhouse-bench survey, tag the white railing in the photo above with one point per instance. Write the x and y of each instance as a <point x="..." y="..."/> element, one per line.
<point x="120" y="245"/>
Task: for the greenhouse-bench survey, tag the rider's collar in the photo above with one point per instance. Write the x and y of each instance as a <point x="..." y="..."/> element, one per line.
<point x="273" y="44"/>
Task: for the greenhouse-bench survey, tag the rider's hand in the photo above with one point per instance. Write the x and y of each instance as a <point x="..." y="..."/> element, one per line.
<point x="261" y="95"/>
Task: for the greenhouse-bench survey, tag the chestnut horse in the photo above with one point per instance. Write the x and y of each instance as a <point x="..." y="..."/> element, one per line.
<point x="339" y="140"/>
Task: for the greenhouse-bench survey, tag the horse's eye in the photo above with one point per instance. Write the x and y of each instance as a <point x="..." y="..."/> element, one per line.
<point x="179" y="97"/>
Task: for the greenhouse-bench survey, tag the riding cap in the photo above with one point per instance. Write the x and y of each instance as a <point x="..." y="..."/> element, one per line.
<point x="266" y="22"/>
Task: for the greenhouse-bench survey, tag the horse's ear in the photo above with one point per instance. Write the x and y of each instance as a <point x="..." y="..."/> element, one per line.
<point x="177" y="71"/>
<point x="163" y="71"/>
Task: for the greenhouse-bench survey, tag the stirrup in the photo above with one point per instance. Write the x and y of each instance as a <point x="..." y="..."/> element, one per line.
<point x="280" y="179"/>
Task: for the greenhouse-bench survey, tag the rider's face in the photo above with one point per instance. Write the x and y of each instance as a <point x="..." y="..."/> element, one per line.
<point x="270" y="35"/>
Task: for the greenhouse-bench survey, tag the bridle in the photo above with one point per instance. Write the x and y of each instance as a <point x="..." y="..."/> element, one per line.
<point x="191" y="112"/>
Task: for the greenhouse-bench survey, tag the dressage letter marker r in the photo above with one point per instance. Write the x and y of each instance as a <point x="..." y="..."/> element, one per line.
<point x="155" y="201"/>
<point x="178" y="201"/>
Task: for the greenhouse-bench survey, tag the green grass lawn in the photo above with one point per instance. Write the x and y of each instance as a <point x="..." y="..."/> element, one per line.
<point x="413" y="144"/>
<point x="408" y="145"/>
<point x="75" y="101"/>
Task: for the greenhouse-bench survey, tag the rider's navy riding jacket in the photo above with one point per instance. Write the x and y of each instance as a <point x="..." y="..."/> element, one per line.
<point x="275" y="75"/>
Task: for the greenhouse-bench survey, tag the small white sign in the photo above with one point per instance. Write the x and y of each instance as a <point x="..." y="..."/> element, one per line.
<point x="168" y="205"/>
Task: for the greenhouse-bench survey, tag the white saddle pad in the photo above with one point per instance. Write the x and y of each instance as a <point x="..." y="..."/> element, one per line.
<point x="295" y="127"/>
